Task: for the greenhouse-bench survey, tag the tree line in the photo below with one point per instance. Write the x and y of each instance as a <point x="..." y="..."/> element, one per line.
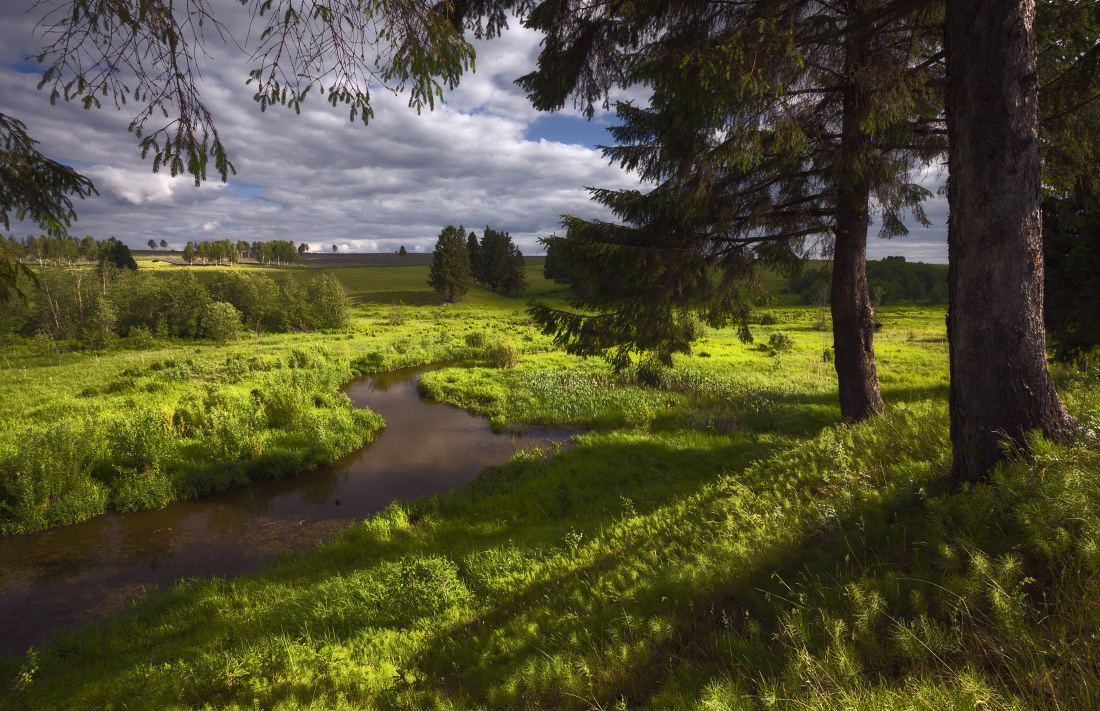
<point x="69" y="250"/>
<point x="277" y="252"/>
<point x="91" y="307"/>
<point x="892" y="280"/>
<point x="459" y="259"/>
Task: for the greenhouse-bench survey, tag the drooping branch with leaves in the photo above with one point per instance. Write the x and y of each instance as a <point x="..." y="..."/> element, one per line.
<point x="149" y="55"/>
<point x="35" y="188"/>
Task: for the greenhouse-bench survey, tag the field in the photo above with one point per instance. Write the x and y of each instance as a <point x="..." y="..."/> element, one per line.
<point x="712" y="539"/>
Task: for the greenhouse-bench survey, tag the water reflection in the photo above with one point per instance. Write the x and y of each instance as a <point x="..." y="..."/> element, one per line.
<point x="60" y="577"/>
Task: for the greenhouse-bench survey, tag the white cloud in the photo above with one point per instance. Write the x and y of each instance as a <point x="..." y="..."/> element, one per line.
<point x="318" y="177"/>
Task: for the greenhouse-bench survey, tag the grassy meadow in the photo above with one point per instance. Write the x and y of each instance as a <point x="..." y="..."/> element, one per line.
<point x="712" y="538"/>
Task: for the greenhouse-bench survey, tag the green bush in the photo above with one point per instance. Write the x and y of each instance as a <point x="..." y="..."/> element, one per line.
<point x="140" y="337"/>
<point x="233" y="433"/>
<point x="45" y="478"/>
<point x="221" y="322"/>
<point x="780" y="342"/>
<point x="141" y="442"/>
<point x="328" y="302"/>
<point x="97" y="331"/>
<point x="502" y="352"/>
<point x="283" y="402"/>
<point x="653" y="373"/>
<point x="421" y="587"/>
<point x="398" y="314"/>
<point x="371" y="362"/>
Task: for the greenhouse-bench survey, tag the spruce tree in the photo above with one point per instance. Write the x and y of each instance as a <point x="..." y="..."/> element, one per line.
<point x="449" y="273"/>
<point x="1071" y="254"/>
<point x="773" y="126"/>
<point x="502" y="266"/>
<point x="517" y="273"/>
<point x="494" y="258"/>
<point x="477" y="264"/>
<point x="1000" y="384"/>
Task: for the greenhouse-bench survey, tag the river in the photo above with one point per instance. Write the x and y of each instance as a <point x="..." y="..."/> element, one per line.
<point x="64" y="576"/>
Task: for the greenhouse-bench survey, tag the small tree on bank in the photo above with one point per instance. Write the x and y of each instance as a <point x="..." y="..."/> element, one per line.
<point x="450" y="272"/>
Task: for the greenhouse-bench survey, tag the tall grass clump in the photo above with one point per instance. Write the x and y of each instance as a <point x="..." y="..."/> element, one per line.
<point x="206" y="424"/>
<point x="47" y="478"/>
<point x="502" y="352"/>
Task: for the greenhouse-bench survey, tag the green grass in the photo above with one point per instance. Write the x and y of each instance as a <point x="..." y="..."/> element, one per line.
<point x="204" y="416"/>
<point x="714" y="541"/>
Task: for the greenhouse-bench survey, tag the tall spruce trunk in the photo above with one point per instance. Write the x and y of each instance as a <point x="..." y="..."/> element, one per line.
<point x="850" y="298"/>
<point x="1000" y="385"/>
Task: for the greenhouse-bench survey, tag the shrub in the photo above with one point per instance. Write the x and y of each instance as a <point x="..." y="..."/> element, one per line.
<point x="502" y="353"/>
<point x="419" y="587"/>
<point x="780" y="342"/>
<point x="476" y="339"/>
<point x="653" y="373"/>
<point x="45" y="478"/>
<point x="372" y="362"/>
<point x="97" y="331"/>
<point x="232" y="433"/>
<point x="283" y="403"/>
<point x="220" y="321"/>
<point x="140" y="337"/>
<point x="256" y="296"/>
<point x="328" y="302"/>
<point x="397" y="313"/>
<point x="768" y="318"/>
<point x="140" y="442"/>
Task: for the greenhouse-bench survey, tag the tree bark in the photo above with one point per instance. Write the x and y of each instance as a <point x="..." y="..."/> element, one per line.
<point x="1000" y="385"/>
<point x="850" y="298"/>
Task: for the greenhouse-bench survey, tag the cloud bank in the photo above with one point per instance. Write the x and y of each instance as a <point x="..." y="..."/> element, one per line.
<point x="484" y="156"/>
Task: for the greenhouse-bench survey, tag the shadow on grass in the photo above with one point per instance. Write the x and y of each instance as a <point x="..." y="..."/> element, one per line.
<point x="411" y="297"/>
<point x="326" y="594"/>
<point x="629" y="569"/>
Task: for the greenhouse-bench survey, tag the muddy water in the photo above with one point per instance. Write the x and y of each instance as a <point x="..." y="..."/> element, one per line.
<point x="61" y="577"/>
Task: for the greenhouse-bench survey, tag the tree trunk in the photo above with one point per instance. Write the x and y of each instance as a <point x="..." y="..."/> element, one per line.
<point x="1000" y="385"/>
<point x="850" y="299"/>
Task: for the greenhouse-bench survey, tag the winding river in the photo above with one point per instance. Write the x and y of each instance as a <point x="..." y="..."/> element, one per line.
<point x="64" y="576"/>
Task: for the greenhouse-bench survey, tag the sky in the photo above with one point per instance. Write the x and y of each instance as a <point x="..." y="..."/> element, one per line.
<point x="484" y="156"/>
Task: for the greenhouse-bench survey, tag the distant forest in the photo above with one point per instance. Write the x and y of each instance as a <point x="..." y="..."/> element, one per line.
<point x="89" y="293"/>
<point x="891" y="280"/>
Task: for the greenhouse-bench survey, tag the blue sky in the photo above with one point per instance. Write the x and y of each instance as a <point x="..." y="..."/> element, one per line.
<point x="484" y="157"/>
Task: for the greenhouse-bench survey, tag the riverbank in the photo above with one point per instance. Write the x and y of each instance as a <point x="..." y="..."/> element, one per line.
<point x="152" y="421"/>
<point x="74" y="574"/>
